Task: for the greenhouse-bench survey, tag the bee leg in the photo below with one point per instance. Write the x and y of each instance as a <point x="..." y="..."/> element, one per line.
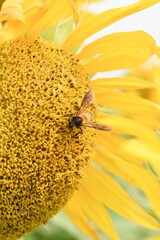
<point x="81" y="132"/>
<point x="70" y="129"/>
<point x="76" y="108"/>
<point x="76" y="135"/>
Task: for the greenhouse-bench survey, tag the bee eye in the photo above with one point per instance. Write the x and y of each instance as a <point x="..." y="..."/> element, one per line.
<point x="78" y="121"/>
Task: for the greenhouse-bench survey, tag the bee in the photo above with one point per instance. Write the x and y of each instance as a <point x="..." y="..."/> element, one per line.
<point x="82" y="118"/>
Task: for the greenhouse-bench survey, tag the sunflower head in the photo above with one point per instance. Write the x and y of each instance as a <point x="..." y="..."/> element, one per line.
<point x="42" y="160"/>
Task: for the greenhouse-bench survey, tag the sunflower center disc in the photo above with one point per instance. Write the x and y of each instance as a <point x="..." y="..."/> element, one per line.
<point x="42" y="161"/>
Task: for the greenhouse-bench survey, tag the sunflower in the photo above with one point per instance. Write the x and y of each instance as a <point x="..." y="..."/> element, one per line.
<point x="45" y="74"/>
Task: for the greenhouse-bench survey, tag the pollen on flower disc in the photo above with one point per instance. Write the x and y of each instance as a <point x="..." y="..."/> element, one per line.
<point x="41" y="160"/>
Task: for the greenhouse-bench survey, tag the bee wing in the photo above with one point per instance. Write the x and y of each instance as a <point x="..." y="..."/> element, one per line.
<point x="87" y="100"/>
<point x="97" y="126"/>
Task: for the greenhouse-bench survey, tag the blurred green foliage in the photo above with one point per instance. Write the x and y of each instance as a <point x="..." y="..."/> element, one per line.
<point x="57" y="228"/>
<point x="61" y="228"/>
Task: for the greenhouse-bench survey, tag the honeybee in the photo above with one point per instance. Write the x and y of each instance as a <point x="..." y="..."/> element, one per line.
<point x="82" y="118"/>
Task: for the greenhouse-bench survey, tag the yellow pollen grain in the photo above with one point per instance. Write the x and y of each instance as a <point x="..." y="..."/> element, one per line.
<point x="41" y="160"/>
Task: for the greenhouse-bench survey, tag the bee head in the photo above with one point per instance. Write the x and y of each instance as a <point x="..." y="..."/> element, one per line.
<point x="75" y="121"/>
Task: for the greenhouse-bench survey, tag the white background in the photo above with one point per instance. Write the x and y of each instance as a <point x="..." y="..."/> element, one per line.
<point x="147" y="20"/>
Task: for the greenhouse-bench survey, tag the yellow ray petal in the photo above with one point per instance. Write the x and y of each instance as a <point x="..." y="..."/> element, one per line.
<point x="95" y="211"/>
<point x="126" y="83"/>
<point x="117" y="61"/>
<point x="155" y="77"/>
<point x="117" y="100"/>
<point x="130" y="104"/>
<point x="144" y="133"/>
<point x="12" y="20"/>
<point x="11" y="10"/>
<point x="102" y="20"/>
<point x="30" y="13"/>
<point x="126" y="53"/>
<point x="32" y="17"/>
<point x="75" y="213"/>
<point x="138" y="177"/>
<point x="118" y="154"/>
<point x="114" y="164"/>
<point x="127" y="41"/>
<point x="132" y="127"/>
<point x="144" y="117"/>
<point x="75" y="13"/>
<point x="152" y="185"/>
<point x="114" y="143"/>
<point x="144" y="151"/>
<point x="110" y="193"/>
<point x="46" y="14"/>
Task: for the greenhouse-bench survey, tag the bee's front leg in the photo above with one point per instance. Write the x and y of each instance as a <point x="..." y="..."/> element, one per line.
<point x="79" y="132"/>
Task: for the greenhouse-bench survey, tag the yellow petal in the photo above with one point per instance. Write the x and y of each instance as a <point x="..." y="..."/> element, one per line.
<point x="12" y="10"/>
<point x="138" y="177"/>
<point x="126" y="42"/>
<point x="110" y="193"/>
<point x="75" y="13"/>
<point x="12" y="20"/>
<point x="114" y="142"/>
<point x="144" y="151"/>
<point x="130" y="104"/>
<point x="108" y="144"/>
<point x="125" y="83"/>
<point x="143" y="111"/>
<point x="134" y="128"/>
<point x="129" y="51"/>
<point x="117" y="61"/>
<point x="32" y="17"/>
<point x="155" y="77"/>
<point x="44" y="15"/>
<point x="144" y="133"/>
<point x="75" y="213"/>
<point x="102" y="20"/>
<point x="95" y="211"/>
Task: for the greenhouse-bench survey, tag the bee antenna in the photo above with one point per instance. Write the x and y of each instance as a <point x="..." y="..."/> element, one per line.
<point x="67" y="115"/>
<point x="76" y="108"/>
